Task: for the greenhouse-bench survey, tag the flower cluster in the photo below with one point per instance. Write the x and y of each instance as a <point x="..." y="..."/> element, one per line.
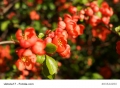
<point x="65" y="28"/>
<point x="97" y="17"/>
<point x="4" y="57"/>
<point x="34" y="15"/>
<point x="30" y="46"/>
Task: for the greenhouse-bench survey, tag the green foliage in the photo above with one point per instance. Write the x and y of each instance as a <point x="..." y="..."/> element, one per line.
<point x="117" y="29"/>
<point x="41" y="35"/>
<point x="50" y="48"/>
<point x="4" y="25"/>
<point x="49" y="67"/>
<point x="40" y="59"/>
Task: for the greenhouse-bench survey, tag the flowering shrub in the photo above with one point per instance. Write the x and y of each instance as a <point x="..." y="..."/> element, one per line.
<point x="50" y="38"/>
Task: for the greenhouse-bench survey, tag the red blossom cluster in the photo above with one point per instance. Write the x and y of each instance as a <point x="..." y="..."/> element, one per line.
<point x="30" y="46"/>
<point x="65" y="28"/>
<point x="4" y="57"/>
<point x="97" y="17"/>
<point x="116" y="1"/>
<point x="34" y="15"/>
<point x="68" y="27"/>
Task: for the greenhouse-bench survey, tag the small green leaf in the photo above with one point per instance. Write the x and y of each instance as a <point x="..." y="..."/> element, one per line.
<point x="51" y="65"/>
<point x="38" y="7"/>
<point x="99" y="14"/>
<point x="84" y="77"/>
<point x="40" y="59"/>
<point x="44" y="7"/>
<point x="50" y="48"/>
<point x="52" y="6"/>
<point x="17" y="5"/>
<point x="99" y="2"/>
<point x="96" y="76"/>
<point x="4" y="25"/>
<point x="41" y="35"/>
<point x="36" y="25"/>
<point x="117" y="29"/>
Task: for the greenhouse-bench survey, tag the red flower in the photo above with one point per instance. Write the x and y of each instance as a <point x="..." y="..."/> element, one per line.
<point x="72" y="9"/>
<point x="105" y="72"/>
<point x="72" y="28"/>
<point x="100" y="32"/>
<point x="94" y="6"/>
<point x="26" y="39"/>
<point x="61" y="24"/>
<point x="48" y="40"/>
<point x="34" y="15"/>
<point x="66" y="52"/>
<point x="38" y="47"/>
<point x="26" y="60"/>
<point x="5" y="52"/>
<point x="11" y="15"/>
<point x="39" y="1"/>
<point x="89" y="12"/>
<point x="94" y="20"/>
<point x="60" y="42"/>
<point x="106" y="10"/>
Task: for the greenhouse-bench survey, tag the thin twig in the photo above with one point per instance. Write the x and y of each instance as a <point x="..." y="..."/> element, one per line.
<point x="7" y="42"/>
<point x="6" y="9"/>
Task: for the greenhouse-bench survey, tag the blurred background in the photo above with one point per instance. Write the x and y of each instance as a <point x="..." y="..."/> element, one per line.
<point x="91" y="57"/>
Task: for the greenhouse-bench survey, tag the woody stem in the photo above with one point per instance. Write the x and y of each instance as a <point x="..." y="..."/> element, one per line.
<point x="7" y="42"/>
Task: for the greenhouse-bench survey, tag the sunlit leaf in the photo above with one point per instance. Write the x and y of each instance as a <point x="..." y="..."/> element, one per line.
<point x="4" y="25"/>
<point x="40" y="59"/>
<point x="51" y="65"/>
<point x="50" y="48"/>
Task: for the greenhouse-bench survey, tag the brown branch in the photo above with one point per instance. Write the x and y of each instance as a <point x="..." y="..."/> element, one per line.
<point x="7" y="42"/>
<point x="6" y="9"/>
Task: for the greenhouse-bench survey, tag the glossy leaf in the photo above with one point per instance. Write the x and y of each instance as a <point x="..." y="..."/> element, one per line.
<point x="51" y="65"/>
<point x="40" y="59"/>
<point x="50" y="48"/>
<point x="41" y="35"/>
<point x="4" y="25"/>
<point x="46" y="72"/>
<point x="96" y="76"/>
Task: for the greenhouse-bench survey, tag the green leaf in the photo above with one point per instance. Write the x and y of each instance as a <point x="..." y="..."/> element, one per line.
<point x="46" y="73"/>
<point x="117" y="29"/>
<point x="36" y="25"/>
<point x="52" y="6"/>
<point x="4" y="25"/>
<point x="51" y="65"/>
<point x="99" y="2"/>
<point x="84" y="77"/>
<point x="38" y="7"/>
<point x="17" y="5"/>
<point x="40" y="59"/>
<point x="99" y="14"/>
<point x="41" y="35"/>
<point x="96" y="76"/>
<point x="50" y="48"/>
<point x="44" y="7"/>
<point x="51" y="76"/>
